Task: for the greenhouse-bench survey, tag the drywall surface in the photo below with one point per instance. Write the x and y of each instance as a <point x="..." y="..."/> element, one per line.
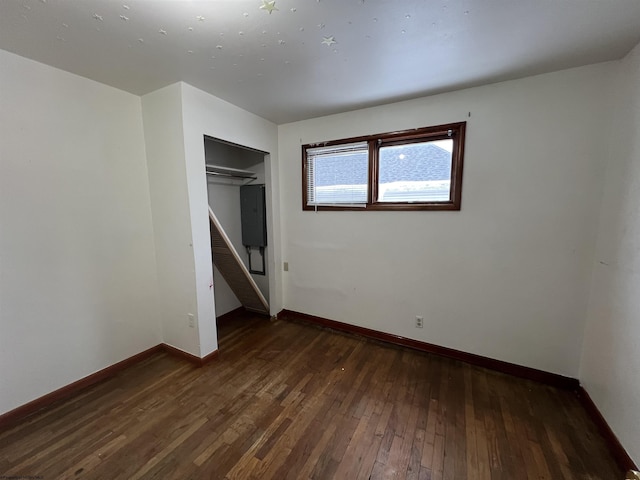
<point x="204" y="114"/>
<point x="224" y="200"/>
<point x="78" y="288"/>
<point x="506" y="277"/>
<point x="610" y="366"/>
<point x="171" y="218"/>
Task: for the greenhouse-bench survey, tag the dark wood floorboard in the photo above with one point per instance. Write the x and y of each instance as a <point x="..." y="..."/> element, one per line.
<point x="292" y="401"/>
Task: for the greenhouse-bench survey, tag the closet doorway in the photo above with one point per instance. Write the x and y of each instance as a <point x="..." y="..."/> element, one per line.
<point x="236" y="187"/>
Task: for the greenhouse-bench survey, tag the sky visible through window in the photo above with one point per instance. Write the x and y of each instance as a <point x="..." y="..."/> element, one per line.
<point x="416" y="172"/>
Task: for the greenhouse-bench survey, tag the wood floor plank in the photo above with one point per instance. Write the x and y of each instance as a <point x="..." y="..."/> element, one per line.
<point x="413" y="469"/>
<point x="290" y="401"/>
<point x="371" y="452"/>
<point x="316" y="454"/>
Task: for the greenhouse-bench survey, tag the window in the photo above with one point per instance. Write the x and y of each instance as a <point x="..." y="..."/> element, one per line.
<point x="417" y="169"/>
<point x="338" y="175"/>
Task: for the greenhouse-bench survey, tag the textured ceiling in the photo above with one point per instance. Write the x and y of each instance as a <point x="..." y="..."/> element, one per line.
<point x="308" y="58"/>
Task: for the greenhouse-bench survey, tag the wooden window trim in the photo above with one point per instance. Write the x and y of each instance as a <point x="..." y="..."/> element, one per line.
<point x="438" y="132"/>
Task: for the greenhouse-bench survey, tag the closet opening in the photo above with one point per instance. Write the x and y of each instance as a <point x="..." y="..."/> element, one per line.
<point x="237" y="195"/>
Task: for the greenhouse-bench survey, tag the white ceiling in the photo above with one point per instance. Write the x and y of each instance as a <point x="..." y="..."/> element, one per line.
<point x="277" y="66"/>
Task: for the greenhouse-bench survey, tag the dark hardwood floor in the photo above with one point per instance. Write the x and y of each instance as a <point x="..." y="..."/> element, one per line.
<point x="292" y="401"/>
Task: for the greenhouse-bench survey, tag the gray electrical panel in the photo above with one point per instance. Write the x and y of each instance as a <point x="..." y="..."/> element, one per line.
<point x="253" y="216"/>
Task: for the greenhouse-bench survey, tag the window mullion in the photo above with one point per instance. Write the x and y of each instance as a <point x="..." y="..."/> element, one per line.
<point x="373" y="171"/>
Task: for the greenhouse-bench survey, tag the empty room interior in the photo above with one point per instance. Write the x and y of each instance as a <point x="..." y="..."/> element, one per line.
<point x="328" y="239"/>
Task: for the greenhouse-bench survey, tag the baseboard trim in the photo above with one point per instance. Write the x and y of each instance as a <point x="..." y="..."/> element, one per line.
<point x="625" y="462"/>
<point x="540" y="376"/>
<point x="199" y="362"/>
<point x="17" y="414"/>
<point x="14" y="416"/>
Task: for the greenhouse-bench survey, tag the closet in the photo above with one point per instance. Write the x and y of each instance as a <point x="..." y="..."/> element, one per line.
<point x="237" y="198"/>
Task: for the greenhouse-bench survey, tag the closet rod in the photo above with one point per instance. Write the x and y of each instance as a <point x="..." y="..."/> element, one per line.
<point x="221" y="171"/>
<point x="231" y="175"/>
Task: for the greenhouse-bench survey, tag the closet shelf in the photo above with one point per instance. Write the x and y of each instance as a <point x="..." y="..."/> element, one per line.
<point x="219" y="171"/>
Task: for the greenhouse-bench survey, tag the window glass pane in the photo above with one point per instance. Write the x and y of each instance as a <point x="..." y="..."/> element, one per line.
<point x="416" y="172"/>
<point x="337" y="174"/>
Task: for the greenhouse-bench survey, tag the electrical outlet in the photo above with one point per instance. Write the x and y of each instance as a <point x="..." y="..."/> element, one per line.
<point x="419" y="321"/>
<point x="285" y="266"/>
<point x="192" y="321"/>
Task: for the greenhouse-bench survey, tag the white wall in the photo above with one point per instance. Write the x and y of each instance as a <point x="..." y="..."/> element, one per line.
<point x="171" y="217"/>
<point x="204" y="114"/>
<point x="223" y="202"/>
<point x="78" y="288"/>
<point x="610" y="369"/>
<point x="507" y="276"/>
<point x="176" y="118"/>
